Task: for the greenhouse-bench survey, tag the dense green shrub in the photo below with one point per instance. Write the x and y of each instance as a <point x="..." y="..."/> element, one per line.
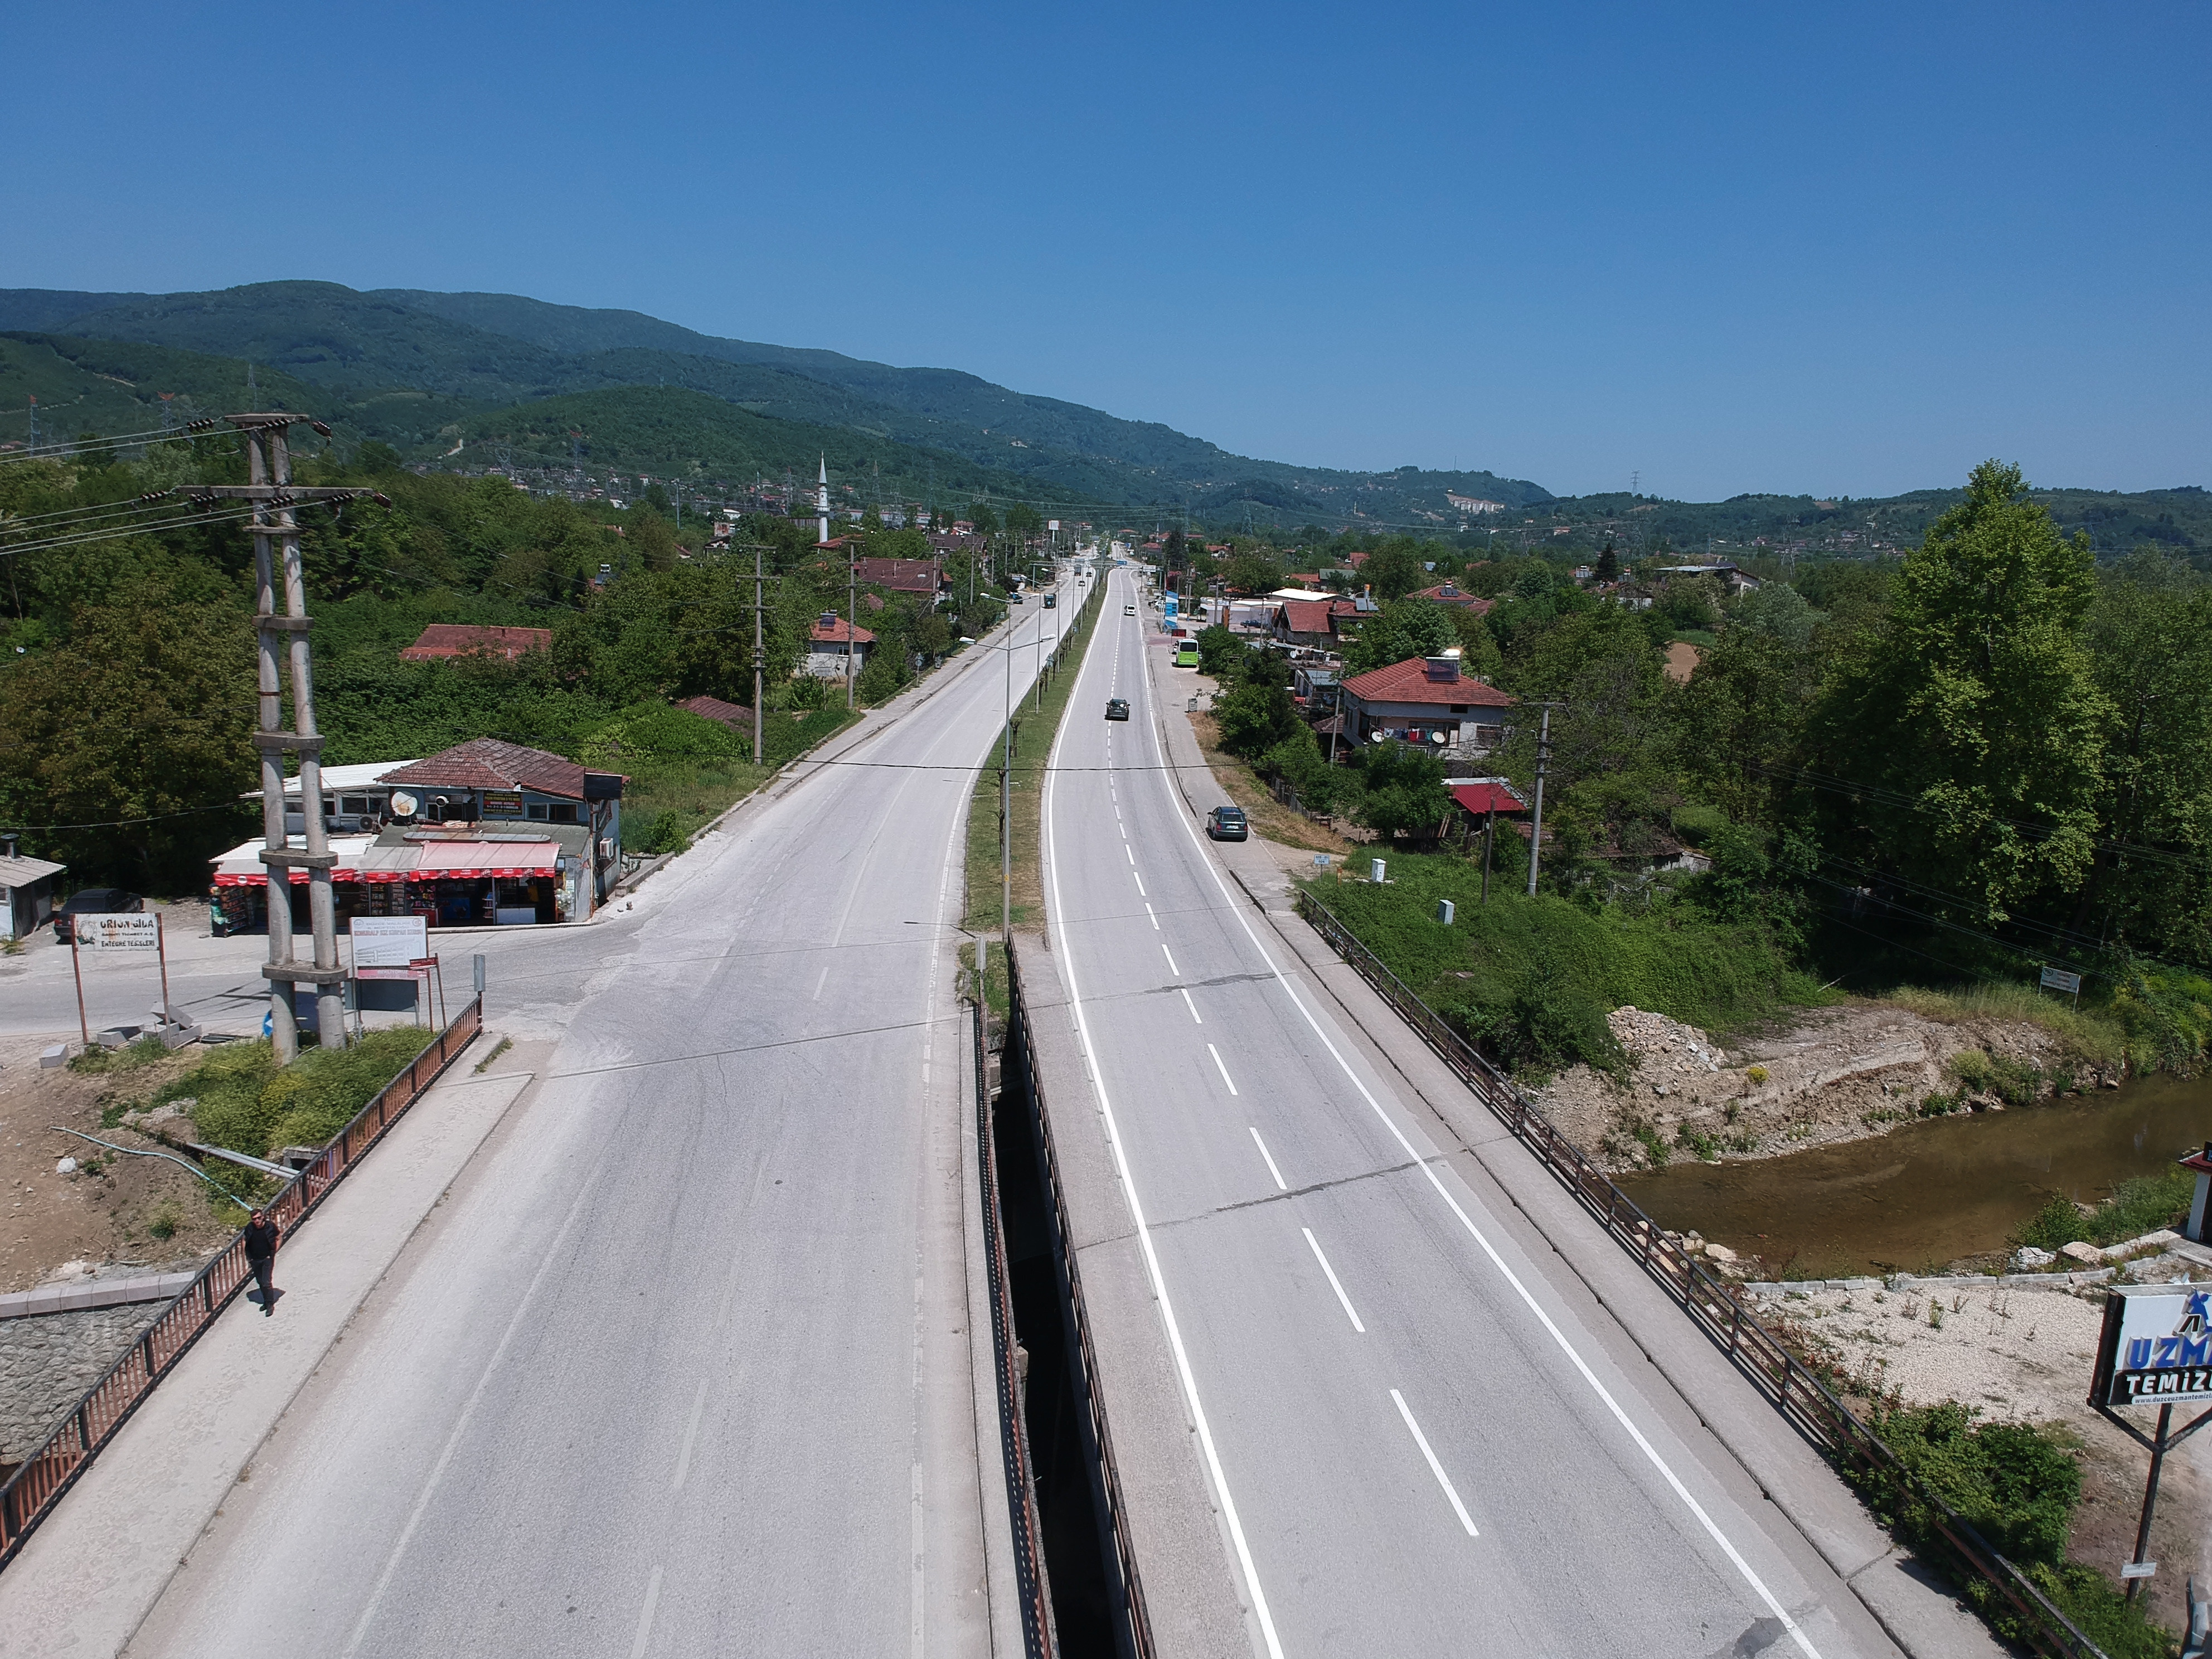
<point x="2136" y="1207"/>
<point x="2168" y="1016"/>
<point x="2017" y="1485"/>
<point x="247" y="1103"/>
<point x="1531" y="979"/>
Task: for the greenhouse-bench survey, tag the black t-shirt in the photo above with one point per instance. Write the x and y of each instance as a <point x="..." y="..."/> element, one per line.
<point x="260" y="1240"/>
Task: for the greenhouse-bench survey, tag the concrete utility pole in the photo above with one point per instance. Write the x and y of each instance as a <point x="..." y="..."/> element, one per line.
<point x="277" y="547"/>
<point x="1536" y="836"/>
<point x="759" y="700"/>
<point x="852" y="621"/>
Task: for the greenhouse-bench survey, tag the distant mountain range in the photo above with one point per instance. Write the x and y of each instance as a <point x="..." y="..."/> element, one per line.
<point x="463" y="377"/>
<point x="466" y="354"/>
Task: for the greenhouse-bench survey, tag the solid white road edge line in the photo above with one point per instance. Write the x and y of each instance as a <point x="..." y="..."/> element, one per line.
<point x="1435" y="1468"/>
<point x="1192" y="1006"/>
<point x="645" y="1617"/>
<point x="1200" y="1425"/>
<point x="1219" y="1068"/>
<point x="1335" y="1283"/>
<point x="1281" y="1185"/>
<point x="1711" y="1528"/>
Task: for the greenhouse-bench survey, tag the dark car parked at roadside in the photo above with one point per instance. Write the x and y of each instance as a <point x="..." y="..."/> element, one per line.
<point x="94" y="902"/>
<point x="1227" y="824"/>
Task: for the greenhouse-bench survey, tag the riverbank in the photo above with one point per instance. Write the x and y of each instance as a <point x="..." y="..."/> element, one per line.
<point x="1827" y="1076"/>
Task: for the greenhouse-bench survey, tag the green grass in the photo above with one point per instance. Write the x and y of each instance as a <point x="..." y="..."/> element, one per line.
<point x="670" y="798"/>
<point x="2138" y="1207"/>
<point x="2090" y="1035"/>
<point x="247" y="1102"/>
<point x="2018" y="1485"/>
<point x="1034" y="726"/>
<point x="1531" y="980"/>
<point x="132" y="1057"/>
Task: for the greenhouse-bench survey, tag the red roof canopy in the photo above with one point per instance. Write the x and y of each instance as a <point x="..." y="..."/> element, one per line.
<point x="1486" y="796"/>
<point x="837" y="630"/>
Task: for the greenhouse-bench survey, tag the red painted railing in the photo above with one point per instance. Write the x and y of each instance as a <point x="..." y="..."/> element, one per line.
<point x="47" y="1474"/>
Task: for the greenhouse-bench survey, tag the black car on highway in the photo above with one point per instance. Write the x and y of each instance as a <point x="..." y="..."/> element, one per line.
<point x="1117" y="709"/>
<point x="94" y="902"/>
<point x="1227" y="824"/>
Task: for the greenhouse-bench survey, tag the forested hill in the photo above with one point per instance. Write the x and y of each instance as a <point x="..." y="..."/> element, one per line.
<point x="498" y="349"/>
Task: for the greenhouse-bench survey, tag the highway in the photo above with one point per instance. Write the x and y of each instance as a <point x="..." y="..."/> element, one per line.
<point x="681" y="1365"/>
<point x="1417" y="1444"/>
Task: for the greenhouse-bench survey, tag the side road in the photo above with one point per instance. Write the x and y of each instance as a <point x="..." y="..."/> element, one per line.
<point x="88" y="1577"/>
<point x="1912" y="1606"/>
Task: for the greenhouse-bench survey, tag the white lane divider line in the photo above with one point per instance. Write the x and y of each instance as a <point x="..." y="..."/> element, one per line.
<point x="1155" y="920"/>
<point x="690" y="1435"/>
<point x="1131" y="853"/>
<point x="1435" y="1468"/>
<point x="1169" y="955"/>
<point x="1619" y="1414"/>
<point x="1281" y="1185"/>
<point x="1139" y="880"/>
<point x="1335" y="1283"/>
<point x="1219" y="1068"/>
<point x="645" y="1618"/>
<point x="1192" y="1006"/>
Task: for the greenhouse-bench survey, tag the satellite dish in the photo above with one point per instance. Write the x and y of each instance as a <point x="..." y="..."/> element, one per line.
<point x="1436" y="736"/>
<point x="403" y="803"/>
<point x="1375" y="737"/>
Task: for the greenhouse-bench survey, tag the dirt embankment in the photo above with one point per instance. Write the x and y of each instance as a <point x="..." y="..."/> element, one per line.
<point x="1835" y="1075"/>
<point x="135" y="1210"/>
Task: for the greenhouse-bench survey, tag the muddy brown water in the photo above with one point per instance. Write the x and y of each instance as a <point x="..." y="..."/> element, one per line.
<point x="1927" y="1193"/>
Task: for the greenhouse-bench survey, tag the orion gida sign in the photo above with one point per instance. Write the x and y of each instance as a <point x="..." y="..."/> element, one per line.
<point x="2156" y="1347"/>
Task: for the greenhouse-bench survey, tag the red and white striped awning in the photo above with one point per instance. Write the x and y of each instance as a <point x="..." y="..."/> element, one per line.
<point x="505" y="860"/>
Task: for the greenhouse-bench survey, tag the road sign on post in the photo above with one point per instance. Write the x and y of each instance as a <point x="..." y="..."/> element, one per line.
<point x="2057" y="979"/>
<point x="2155" y="1348"/>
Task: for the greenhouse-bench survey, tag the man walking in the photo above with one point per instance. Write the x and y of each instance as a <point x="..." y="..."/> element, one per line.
<point x="261" y="1236"/>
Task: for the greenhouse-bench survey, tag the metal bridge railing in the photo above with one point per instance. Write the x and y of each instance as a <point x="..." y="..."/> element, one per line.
<point x="1800" y="1396"/>
<point x="32" y="1493"/>
<point x="1037" y="1632"/>
<point x="1139" y="1630"/>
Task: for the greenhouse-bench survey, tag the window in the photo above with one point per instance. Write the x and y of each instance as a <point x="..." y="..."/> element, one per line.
<point x="564" y="814"/>
<point x="355" y="805"/>
<point x="537" y="809"/>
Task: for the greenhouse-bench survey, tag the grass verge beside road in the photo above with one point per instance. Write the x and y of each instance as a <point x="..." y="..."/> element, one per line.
<point x="671" y="798"/>
<point x="1034" y="726"/>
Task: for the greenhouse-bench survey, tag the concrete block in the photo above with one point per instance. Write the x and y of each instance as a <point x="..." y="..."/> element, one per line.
<point x="53" y="1054"/>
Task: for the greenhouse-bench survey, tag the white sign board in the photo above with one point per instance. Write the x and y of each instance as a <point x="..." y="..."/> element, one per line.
<point x="139" y="933"/>
<point x="2157" y="1346"/>
<point x="2057" y="979"/>
<point x="389" y="942"/>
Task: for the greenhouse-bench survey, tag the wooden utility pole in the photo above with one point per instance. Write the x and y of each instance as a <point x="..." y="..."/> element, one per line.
<point x="277" y="556"/>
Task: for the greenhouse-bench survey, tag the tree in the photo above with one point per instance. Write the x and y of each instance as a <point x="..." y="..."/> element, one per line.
<point x="1410" y="628"/>
<point x="1405" y="792"/>
<point x="1254" y="717"/>
<point x="1252" y="573"/>
<point x="1607" y="568"/>
<point x="1221" y="654"/>
<point x="1393" y="569"/>
<point x="1779" y="612"/>
<point x="1974" y="714"/>
<point x="134" y="725"/>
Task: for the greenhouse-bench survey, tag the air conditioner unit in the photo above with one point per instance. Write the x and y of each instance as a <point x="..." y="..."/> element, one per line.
<point x="606" y="846"/>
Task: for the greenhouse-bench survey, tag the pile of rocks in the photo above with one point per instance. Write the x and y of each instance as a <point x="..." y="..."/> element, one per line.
<point x="1665" y="1051"/>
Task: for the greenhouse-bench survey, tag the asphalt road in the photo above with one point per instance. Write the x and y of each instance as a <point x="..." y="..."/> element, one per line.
<point x="680" y="1365"/>
<point x="1419" y="1445"/>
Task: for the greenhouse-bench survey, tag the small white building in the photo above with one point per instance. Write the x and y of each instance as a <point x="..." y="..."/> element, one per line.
<point x="27" y="890"/>
<point x="835" y="648"/>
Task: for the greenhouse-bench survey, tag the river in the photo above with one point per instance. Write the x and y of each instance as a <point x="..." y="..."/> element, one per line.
<point x="1929" y="1193"/>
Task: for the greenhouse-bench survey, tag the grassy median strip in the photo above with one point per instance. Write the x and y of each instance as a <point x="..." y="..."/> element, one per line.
<point x="1035" y="724"/>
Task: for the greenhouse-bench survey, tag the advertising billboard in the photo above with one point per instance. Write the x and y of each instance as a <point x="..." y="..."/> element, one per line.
<point x="2157" y="1346"/>
<point x="384" y="946"/>
<point x="122" y="933"/>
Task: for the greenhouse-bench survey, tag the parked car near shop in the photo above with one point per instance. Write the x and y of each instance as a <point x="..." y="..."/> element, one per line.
<point x="94" y="902"/>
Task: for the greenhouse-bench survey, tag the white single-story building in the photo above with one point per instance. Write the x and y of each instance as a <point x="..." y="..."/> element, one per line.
<point x="27" y="890"/>
<point x="1425" y="701"/>
<point x="833" y="644"/>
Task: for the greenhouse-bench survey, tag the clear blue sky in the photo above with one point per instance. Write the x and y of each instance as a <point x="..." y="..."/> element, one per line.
<point x="1844" y="249"/>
